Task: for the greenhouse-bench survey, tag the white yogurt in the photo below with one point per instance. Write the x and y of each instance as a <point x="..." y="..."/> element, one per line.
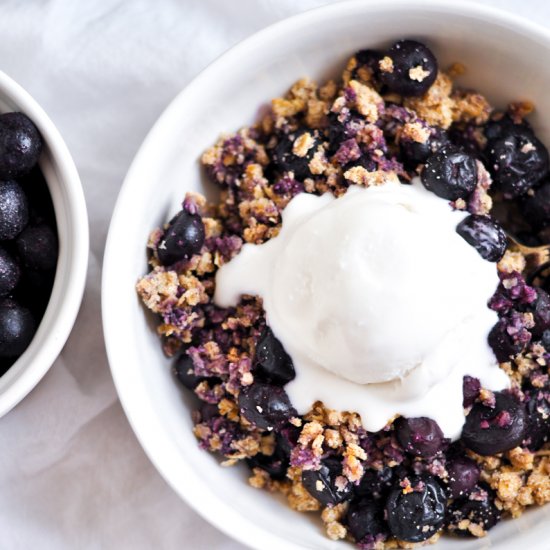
<point x="380" y="303"/>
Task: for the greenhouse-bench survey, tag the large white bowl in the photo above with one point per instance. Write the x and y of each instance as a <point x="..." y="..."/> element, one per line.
<point x="507" y="58"/>
<point x="72" y="226"/>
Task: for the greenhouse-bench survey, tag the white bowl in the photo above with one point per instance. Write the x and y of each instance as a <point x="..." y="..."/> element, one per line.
<point x="72" y="227"/>
<point x="507" y="59"/>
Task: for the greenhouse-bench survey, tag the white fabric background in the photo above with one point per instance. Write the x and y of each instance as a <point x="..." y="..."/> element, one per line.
<point x="72" y="474"/>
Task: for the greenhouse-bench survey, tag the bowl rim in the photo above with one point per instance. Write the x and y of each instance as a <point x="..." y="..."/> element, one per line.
<point x="206" y="503"/>
<point x="72" y="265"/>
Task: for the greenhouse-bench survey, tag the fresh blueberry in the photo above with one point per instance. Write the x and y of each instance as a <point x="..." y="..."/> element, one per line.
<point x="451" y="173"/>
<point x="14" y="210"/>
<point x="463" y="476"/>
<point x="37" y="247"/>
<point x="415" y="153"/>
<point x="419" y="436"/>
<point x="517" y="161"/>
<point x="502" y="343"/>
<point x="9" y="272"/>
<point x="365" y="517"/>
<point x="276" y="465"/>
<point x="6" y="364"/>
<point x="327" y="484"/>
<point x="375" y="482"/>
<point x="34" y="290"/>
<point x="535" y="207"/>
<point x="413" y="70"/>
<point x="492" y="430"/>
<point x="479" y="511"/>
<point x="272" y="362"/>
<point x="485" y="235"/>
<point x="288" y="156"/>
<point x="538" y="412"/>
<point x="416" y="515"/>
<point x="17" y="328"/>
<point x="470" y="390"/>
<point x="266" y="405"/>
<point x="183" y="238"/>
<point x="20" y="145"/>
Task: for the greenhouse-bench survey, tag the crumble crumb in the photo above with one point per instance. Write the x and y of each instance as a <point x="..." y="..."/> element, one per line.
<point x="367" y="100"/>
<point x="418" y="73"/>
<point x="386" y="64"/>
<point x="303" y="144"/>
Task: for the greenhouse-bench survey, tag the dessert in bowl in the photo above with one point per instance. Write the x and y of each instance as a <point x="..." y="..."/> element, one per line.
<point x="332" y="177"/>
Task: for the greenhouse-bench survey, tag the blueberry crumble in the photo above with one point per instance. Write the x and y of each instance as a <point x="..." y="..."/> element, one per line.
<point x="28" y="237"/>
<point x="393" y="118"/>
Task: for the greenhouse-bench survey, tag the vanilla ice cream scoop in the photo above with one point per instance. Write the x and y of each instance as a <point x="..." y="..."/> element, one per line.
<point x="375" y="287"/>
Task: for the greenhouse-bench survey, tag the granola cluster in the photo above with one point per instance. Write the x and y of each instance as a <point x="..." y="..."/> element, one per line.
<point x="316" y="139"/>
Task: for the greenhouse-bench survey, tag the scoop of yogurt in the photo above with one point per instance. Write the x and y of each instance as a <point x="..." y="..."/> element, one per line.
<point x="378" y="301"/>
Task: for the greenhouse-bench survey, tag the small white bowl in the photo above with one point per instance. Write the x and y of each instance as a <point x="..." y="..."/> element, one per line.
<point x="72" y="227"/>
<point x="507" y="59"/>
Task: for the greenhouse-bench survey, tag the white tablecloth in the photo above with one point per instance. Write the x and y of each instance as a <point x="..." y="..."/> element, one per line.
<point x="72" y="474"/>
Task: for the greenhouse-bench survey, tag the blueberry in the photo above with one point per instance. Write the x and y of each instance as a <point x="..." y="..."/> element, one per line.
<point x="185" y="373"/>
<point x="20" y="145"/>
<point x="517" y="161"/>
<point x="6" y="364"/>
<point x="324" y="484"/>
<point x="289" y="157"/>
<point x="375" y="482"/>
<point x="14" y="210"/>
<point x="463" y="476"/>
<point x="37" y="247"/>
<point x="417" y="515"/>
<point x="536" y="207"/>
<point x="9" y="272"/>
<point x="451" y="173"/>
<point x="34" y="290"/>
<point x="485" y="235"/>
<point x="183" y="238"/>
<point x="538" y="412"/>
<point x="414" y="68"/>
<point x="480" y="511"/>
<point x="17" y="328"/>
<point x="266" y="405"/>
<point x="365" y="517"/>
<point x="470" y="390"/>
<point x="272" y="362"/>
<point x="415" y="153"/>
<point x="504" y="126"/>
<point x="502" y="343"/>
<point x="492" y="430"/>
<point x="419" y="436"/>
<point x="276" y="465"/>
